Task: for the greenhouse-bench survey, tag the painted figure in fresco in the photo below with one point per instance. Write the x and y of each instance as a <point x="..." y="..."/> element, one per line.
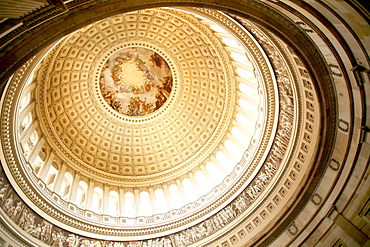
<point x="135" y="95"/>
<point x="157" y="60"/>
<point x="140" y="64"/>
<point x="161" y="99"/>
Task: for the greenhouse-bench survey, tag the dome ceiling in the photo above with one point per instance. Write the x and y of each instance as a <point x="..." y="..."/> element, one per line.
<point x="143" y="101"/>
<point x="196" y="106"/>
<point x="177" y="123"/>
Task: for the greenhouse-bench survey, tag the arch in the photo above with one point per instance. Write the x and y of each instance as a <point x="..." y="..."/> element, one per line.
<point x="27" y="121"/>
<point x="224" y="161"/>
<point x="25" y="101"/>
<point x="37" y="164"/>
<point x="145" y="204"/>
<point x="130" y="204"/>
<point x="113" y="203"/>
<point x="97" y="201"/>
<point x="176" y="197"/>
<point x="215" y="173"/>
<point x="51" y="175"/>
<point x="81" y="194"/>
<point x="66" y="185"/>
<point x="203" y="182"/>
<point x="161" y="200"/>
<point x="190" y="189"/>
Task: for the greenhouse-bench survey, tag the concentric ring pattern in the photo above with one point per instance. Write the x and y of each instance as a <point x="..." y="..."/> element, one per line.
<point x="83" y="127"/>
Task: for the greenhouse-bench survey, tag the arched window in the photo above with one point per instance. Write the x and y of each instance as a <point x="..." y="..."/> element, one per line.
<point x="249" y="75"/>
<point x="190" y="190"/>
<point x="66" y="185"/>
<point x="130" y="204"/>
<point x="97" y="200"/>
<point x="26" y="149"/>
<point x="231" y="42"/>
<point x="176" y="196"/>
<point x="26" y="122"/>
<point x="145" y="204"/>
<point x="34" y="138"/>
<point x="236" y="152"/>
<point x="37" y="164"/>
<point x="218" y="29"/>
<point x="51" y="176"/>
<point x="243" y="120"/>
<point x="240" y="136"/>
<point x="81" y="194"/>
<point x="113" y="203"/>
<point x="25" y="101"/>
<point x="252" y="93"/>
<point x="203" y="182"/>
<point x="225" y="162"/>
<point x="161" y="201"/>
<point x="215" y="173"/>
<point x="241" y="58"/>
<point x="51" y="180"/>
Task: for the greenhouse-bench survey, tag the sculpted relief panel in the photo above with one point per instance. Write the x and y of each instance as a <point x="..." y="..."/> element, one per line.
<point x="116" y="78"/>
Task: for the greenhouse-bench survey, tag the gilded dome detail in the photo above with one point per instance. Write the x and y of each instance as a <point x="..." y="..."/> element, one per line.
<point x="170" y="139"/>
<point x="136" y="81"/>
<point x="83" y="129"/>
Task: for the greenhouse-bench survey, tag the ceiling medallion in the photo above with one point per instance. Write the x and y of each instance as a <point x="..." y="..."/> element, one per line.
<point x="136" y="81"/>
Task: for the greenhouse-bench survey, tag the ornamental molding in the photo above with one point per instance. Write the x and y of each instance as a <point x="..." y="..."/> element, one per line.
<point x="229" y="212"/>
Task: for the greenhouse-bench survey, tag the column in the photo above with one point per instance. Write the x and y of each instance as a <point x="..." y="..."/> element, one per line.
<point x="74" y="188"/>
<point x="218" y="165"/>
<point x="230" y="157"/>
<point x="105" y="197"/>
<point x="45" y="168"/>
<point x="25" y="112"/>
<point x="242" y="128"/>
<point x="137" y="201"/>
<point x="36" y="150"/>
<point x="236" y="142"/>
<point x="248" y="98"/>
<point x="247" y="114"/>
<point x="184" y="196"/>
<point x="193" y="181"/>
<point x="347" y="226"/>
<point x="25" y="136"/>
<point x="59" y="179"/>
<point x="206" y="173"/>
<point x="252" y="83"/>
<point x="90" y="194"/>
<point x="153" y="200"/>
<point x="168" y="196"/>
<point x="121" y="201"/>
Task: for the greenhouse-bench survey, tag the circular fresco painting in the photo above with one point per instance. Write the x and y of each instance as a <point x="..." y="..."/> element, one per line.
<point x="136" y="81"/>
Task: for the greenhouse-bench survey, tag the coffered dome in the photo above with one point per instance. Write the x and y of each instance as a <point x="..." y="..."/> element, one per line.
<point x="154" y="117"/>
<point x="197" y="107"/>
<point x="167" y="126"/>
